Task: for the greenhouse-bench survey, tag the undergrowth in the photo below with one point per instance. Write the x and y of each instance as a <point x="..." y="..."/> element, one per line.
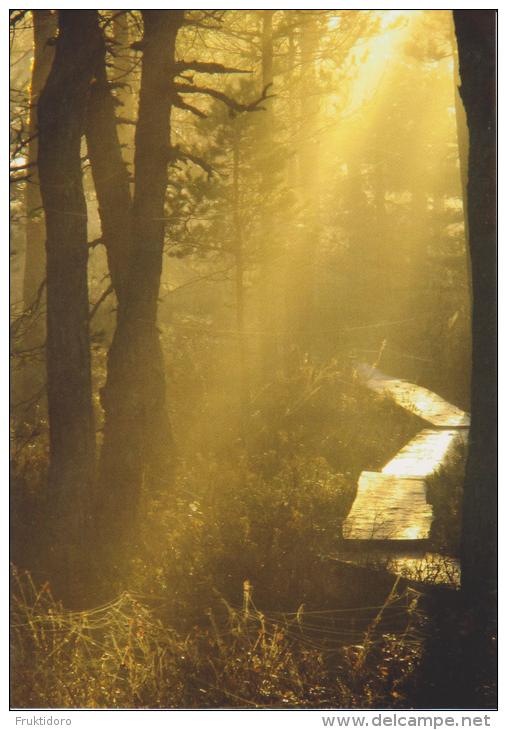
<point x="123" y="655"/>
<point x="249" y="514"/>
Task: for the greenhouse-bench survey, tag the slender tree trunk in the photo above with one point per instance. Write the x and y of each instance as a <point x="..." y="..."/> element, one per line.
<point x="44" y="28"/>
<point x="239" y="273"/>
<point x="110" y="174"/>
<point x="384" y="278"/>
<point x="33" y="376"/>
<point x="360" y="261"/>
<point x="289" y="269"/>
<point x="124" y="77"/>
<point x="291" y="92"/>
<point x="269" y="239"/>
<point x="62" y="108"/>
<point x="138" y="442"/>
<point x="308" y="245"/>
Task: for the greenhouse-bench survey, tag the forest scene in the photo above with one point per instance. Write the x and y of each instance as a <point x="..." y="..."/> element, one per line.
<point x="253" y="379"/>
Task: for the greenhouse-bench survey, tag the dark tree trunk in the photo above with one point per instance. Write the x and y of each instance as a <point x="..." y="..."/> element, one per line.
<point x="459" y="666"/>
<point x="62" y="109"/>
<point x="110" y="174"/>
<point x="475" y="33"/>
<point x="33" y="375"/>
<point x="137" y="436"/>
<point x="123" y="75"/>
<point x="44" y="28"/>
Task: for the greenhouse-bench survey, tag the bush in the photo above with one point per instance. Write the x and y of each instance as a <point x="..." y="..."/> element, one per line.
<point x="227" y="523"/>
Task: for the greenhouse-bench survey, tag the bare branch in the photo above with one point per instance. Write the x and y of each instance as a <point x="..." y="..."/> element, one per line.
<point x="175" y="154"/>
<point x="15" y="16"/>
<point x="178" y="102"/>
<point x="100" y="300"/>
<point x="207" y="68"/>
<point x="231" y="103"/>
<point x="28" y="312"/>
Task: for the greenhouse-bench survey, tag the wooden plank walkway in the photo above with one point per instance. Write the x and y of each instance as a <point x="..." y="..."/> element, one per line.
<point x="418" y="400"/>
<point x="427" y="452"/>
<point x="391" y="505"/>
<point x="417" y="566"/>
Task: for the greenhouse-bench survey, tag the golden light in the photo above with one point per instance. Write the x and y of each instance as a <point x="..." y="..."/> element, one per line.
<point x="374" y="58"/>
<point x="425" y="453"/>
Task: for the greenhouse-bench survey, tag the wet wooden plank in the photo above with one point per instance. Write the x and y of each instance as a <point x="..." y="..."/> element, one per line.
<point x="421" y="567"/>
<point x="414" y="398"/>
<point x="427" y="452"/>
<point x="389" y="507"/>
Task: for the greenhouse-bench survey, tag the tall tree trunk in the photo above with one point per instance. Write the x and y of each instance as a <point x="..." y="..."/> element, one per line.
<point x="268" y="308"/>
<point x="110" y="174"/>
<point x="292" y="181"/>
<point x="475" y="33"/>
<point x="383" y="279"/>
<point x="33" y="377"/>
<point x="239" y="273"/>
<point x="461" y="640"/>
<point x="62" y="108"/>
<point x="308" y="244"/>
<point x="44" y="28"/>
<point x="138" y="442"/>
<point x="125" y="79"/>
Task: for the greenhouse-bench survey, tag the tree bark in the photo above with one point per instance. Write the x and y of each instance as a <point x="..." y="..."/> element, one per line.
<point x="110" y="174"/>
<point x="62" y="108"/>
<point x="461" y="637"/>
<point x="44" y="28"/>
<point x="123" y="75"/>
<point x="33" y="376"/>
<point x="138" y="444"/>
<point x="475" y="33"/>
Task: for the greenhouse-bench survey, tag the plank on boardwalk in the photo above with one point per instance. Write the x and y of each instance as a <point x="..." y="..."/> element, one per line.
<point x="422" y="567"/>
<point x="389" y="507"/>
<point x="414" y="398"/>
<point x="426" y="453"/>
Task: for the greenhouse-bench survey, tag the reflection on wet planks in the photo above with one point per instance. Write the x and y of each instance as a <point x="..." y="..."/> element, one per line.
<point x="391" y="506"/>
<point x="427" y="452"/>
<point x="420" y="567"/>
<point x="417" y="400"/>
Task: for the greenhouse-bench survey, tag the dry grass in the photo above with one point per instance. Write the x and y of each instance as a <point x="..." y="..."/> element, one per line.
<point x="122" y="655"/>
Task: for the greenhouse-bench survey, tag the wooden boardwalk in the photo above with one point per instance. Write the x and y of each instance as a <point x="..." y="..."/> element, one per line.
<point x="420" y="566"/>
<point x="391" y="506"/>
<point x="427" y="452"/>
<point x="418" y="400"/>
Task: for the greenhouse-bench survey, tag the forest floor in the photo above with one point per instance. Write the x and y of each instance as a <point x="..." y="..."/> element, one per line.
<point x="231" y="599"/>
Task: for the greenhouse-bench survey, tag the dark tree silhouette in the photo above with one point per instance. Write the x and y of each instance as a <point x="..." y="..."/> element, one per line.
<point x="62" y="108"/>
<point x="475" y="33"/>
<point x="44" y="28"/>
<point x="460" y="657"/>
<point x="33" y="376"/>
<point x="137" y="433"/>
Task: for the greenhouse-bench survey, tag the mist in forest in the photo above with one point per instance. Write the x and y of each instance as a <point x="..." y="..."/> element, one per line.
<point x="220" y="220"/>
